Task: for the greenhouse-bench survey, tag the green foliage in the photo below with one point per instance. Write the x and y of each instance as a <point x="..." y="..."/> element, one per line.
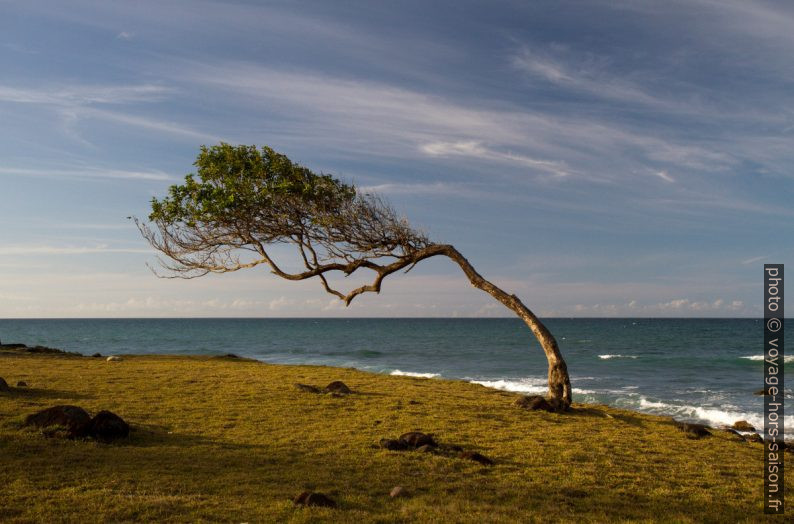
<point x="240" y="182"/>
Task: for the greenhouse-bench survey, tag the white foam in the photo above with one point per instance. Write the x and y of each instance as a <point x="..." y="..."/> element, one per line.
<point x="399" y="373"/>
<point x="712" y="416"/>
<point x="789" y="358"/>
<point x="525" y="385"/>
<point x="607" y="357"/>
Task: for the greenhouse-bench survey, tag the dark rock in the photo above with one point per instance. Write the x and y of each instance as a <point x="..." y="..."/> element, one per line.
<point x="13" y="346"/>
<point x="762" y="392"/>
<point x="754" y="437"/>
<point x="454" y="448"/>
<point x="417" y="439"/>
<point x="22" y="384"/>
<point x="414" y="402"/>
<point x="73" y="418"/>
<point x="307" y="388"/>
<point x="308" y="498"/>
<point x="97" y="355"/>
<point x="393" y="444"/>
<point x="743" y="425"/>
<point x="693" y="430"/>
<point x="4" y="386"/>
<point x="534" y="403"/>
<point x="476" y="457"/>
<point x="107" y="427"/>
<point x="337" y="386"/>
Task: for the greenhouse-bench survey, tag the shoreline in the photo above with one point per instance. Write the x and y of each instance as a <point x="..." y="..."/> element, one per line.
<point x="232" y="439"/>
<point x="509" y="386"/>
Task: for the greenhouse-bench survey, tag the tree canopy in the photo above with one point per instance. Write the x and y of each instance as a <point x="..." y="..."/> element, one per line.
<point x="244" y="200"/>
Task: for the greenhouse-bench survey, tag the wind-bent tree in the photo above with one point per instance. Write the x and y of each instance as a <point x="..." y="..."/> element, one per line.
<point x="247" y="200"/>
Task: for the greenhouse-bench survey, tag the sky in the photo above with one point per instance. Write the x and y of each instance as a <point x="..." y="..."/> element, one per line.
<point x="596" y="158"/>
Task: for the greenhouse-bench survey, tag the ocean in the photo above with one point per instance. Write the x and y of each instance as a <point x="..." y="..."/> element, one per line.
<point x="704" y="370"/>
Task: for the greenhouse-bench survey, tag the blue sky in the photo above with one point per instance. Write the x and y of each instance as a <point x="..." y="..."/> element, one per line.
<point x="596" y="158"/>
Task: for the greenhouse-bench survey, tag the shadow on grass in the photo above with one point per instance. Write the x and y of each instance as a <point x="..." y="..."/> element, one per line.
<point x="42" y="393"/>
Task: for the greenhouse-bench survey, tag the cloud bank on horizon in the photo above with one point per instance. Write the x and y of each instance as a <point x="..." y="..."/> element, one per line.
<point x="596" y="158"/>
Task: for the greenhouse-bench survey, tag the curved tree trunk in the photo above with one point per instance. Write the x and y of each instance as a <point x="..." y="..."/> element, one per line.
<point x="559" y="381"/>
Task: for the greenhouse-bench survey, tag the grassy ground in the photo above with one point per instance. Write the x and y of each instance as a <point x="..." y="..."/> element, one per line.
<point x="233" y="440"/>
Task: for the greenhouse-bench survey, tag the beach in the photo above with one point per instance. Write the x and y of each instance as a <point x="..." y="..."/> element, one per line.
<point x="223" y="438"/>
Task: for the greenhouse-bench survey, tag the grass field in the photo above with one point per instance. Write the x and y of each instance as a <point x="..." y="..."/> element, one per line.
<point x="222" y="439"/>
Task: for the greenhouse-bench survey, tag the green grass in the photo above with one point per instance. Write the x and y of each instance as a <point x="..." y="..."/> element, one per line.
<point x="234" y="440"/>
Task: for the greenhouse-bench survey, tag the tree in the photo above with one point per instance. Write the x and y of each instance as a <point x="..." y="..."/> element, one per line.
<point x="247" y="200"/>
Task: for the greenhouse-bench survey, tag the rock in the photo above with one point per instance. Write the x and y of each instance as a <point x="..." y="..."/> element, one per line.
<point x="4" y="386"/>
<point x="417" y="439"/>
<point x="114" y="358"/>
<point x="743" y="425"/>
<point x="534" y="403"/>
<point x="97" y="355"/>
<point x="762" y="392"/>
<point x="73" y="418"/>
<point x="693" y="430"/>
<point x="396" y="491"/>
<point x="308" y="498"/>
<point x="476" y="457"/>
<point x="754" y="437"/>
<point x="22" y="384"/>
<point x="107" y="427"/>
<point x="427" y="448"/>
<point x="393" y="444"/>
<point x="308" y="388"/>
<point x="337" y="386"/>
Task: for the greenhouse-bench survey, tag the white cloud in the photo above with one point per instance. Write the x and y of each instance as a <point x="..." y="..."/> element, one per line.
<point x="664" y="176"/>
<point x="475" y="149"/>
<point x="79" y="95"/>
<point x="65" y="250"/>
<point x="87" y="172"/>
<point x="125" y="35"/>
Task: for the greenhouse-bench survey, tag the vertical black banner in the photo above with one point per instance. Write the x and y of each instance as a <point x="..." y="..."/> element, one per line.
<point x="773" y="384"/>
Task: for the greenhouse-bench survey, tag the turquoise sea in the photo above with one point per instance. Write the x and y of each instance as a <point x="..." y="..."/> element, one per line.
<point x="693" y="369"/>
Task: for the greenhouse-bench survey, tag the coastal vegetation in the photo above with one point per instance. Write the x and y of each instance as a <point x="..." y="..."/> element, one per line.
<point x="245" y="201"/>
<point x="235" y="440"/>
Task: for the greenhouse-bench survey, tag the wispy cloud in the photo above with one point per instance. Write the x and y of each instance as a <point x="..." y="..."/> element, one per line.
<point x="72" y="95"/>
<point x="475" y="149"/>
<point x="65" y="250"/>
<point x="753" y="260"/>
<point x="87" y="172"/>
<point x="125" y="35"/>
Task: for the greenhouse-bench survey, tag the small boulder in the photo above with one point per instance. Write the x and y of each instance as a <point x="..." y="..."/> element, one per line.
<point x="4" y="386"/>
<point x="73" y="418"/>
<point x="308" y="388"/>
<point x="476" y="457"/>
<point x="534" y="403"/>
<point x="762" y="392"/>
<point x="107" y="427"/>
<point x="396" y="491"/>
<point x="337" y="386"/>
<point x="393" y="444"/>
<point x="308" y="498"/>
<point x="743" y="425"/>
<point x="22" y="384"/>
<point x="693" y="430"/>
<point x="417" y="439"/>
<point x="97" y="355"/>
<point x="114" y="358"/>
